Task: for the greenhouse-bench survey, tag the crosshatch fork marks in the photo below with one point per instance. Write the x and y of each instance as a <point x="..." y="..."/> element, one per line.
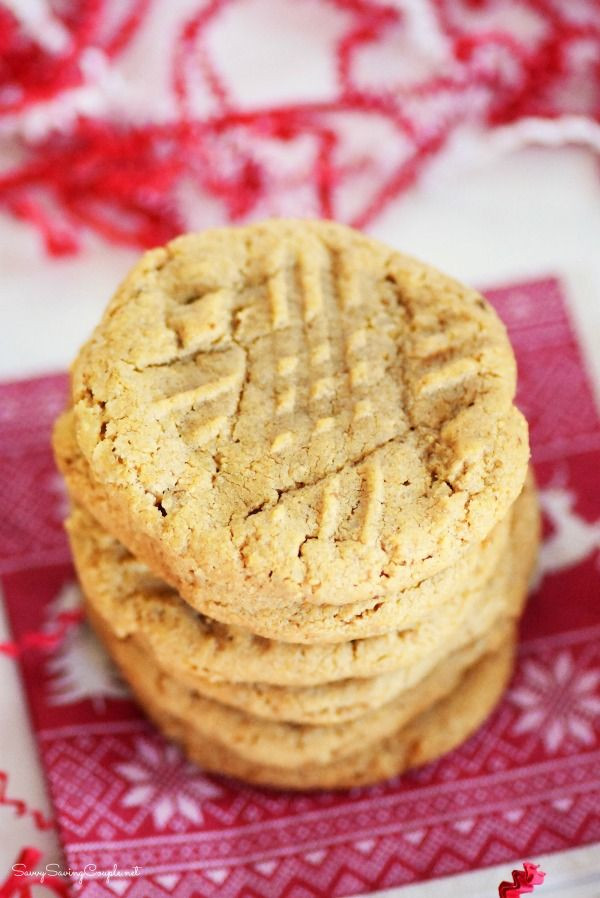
<point x="188" y="399"/>
<point x="374" y="498"/>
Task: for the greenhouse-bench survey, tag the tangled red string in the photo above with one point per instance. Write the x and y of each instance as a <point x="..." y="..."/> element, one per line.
<point x="122" y="178"/>
<point x="43" y="639"/>
<point x="30" y="73"/>
<point x="21" y="808"/>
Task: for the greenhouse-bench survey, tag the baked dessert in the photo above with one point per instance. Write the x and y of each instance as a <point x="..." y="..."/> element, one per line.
<point x="293" y="411"/>
<point x="294" y="682"/>
<point x="300" y="509"/>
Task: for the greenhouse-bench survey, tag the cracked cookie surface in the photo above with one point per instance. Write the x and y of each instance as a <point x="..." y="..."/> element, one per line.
<point x="218" y="659"/>
<point x="420" y="725"/>
<point x="295" y="412"/>
<point x="302" y="622"/>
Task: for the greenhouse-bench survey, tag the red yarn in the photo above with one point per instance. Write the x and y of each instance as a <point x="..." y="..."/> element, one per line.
<point x="17" y="885"/>
<point x="123" y="180"/>
<point x="65" y="622"/>
<point x="29" y="73"/>
<point x="21" y="808"/>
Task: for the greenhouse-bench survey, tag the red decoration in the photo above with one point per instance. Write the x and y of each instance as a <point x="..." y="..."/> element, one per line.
<point x="18" y="885"/>
<point x="122" y="178"/>
<point x="523" y="882"/>
<point x="42" y="639"/>
<point x="33" y="72"/>
<point x="21" y="808"/>
<point x="15" y="886"/>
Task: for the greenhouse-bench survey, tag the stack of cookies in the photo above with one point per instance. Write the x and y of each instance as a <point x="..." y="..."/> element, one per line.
<point x="301" y="513"/>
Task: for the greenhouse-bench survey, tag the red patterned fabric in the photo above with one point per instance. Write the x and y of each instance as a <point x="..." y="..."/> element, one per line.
<point x="404" y="79"/>
<point x="527" y="783"/>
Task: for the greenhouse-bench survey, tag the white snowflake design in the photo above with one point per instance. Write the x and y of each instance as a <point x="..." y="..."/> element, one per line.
<point x="80" y="668"/>
<point x="557" y="702"/>
<point x="165" y="784"/>
<point x="573" y="538"/>
<point x="60" y="501"/>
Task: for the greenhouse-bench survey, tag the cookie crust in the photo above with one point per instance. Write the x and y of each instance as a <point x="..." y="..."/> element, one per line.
<point x="294" y="411"/>
<point x="299" y="622"/>
<point x="225" y="743"/>
<point x="305" y="684"/>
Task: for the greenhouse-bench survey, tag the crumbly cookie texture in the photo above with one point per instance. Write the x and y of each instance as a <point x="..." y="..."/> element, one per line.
<point x="291" y="621"/>
<point x="295" y="411"/>
<point x="201" y="652"/>
<point x="344" y="700"/>
<point x="293" y="745"/>
<point x="430" y="721"/>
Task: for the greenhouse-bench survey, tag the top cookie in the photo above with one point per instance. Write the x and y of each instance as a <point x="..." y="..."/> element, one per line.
<point x="296" y="410"/>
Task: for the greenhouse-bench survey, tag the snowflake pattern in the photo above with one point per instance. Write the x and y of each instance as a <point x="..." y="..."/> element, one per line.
<point x="59" y="500"/>
<point x="573" y="539"/>
<point x="80" y="668"/>
<point x="169" y="787"/>
<point x="558" y="702"/>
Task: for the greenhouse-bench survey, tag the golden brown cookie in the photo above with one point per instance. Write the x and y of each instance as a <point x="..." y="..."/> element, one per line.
<point x="293" y="745"/>
<point x="432" y="734"/>
<point x="345" y="678"/>
<point x="294" y="411"/>
<point x="420" y="725"/>
<point x="301" y="622"/>
<point x="348" y="699"/>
